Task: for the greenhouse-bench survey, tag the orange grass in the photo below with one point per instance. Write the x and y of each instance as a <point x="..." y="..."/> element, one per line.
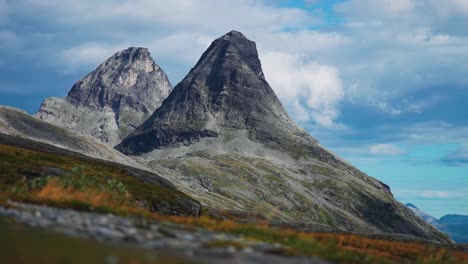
<point x="380" y="250"/>
<point x="298" y="243"/>
<point x="56" y="192"/>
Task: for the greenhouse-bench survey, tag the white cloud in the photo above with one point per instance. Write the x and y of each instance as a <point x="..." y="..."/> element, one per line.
<point x="89" y="54"/>
<point x="384" y="52"/>
<point x="200" y="15"/>
<point x="430" y="194"/>
<point x="375" y="9"/>
<point x="385" y="150"/>
<point x="305" y="87"/>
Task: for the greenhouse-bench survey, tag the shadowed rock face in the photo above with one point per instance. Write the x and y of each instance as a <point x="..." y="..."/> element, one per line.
<point x="110" y="102"/>
<point x="224" y="137"/>
<point x="226" y="90"/>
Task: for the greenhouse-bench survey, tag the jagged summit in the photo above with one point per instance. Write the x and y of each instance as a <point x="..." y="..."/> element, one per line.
<point x="114" y="99"/>
<point x="130" y="76"/>
<point x="225" y="91"/>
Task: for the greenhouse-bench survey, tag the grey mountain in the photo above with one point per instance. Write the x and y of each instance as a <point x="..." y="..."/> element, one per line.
<point x="226" y="91"/>
<point x="223" y="136"/>
<point x="456" y="226"/>
<point x="110" y="102"/>
<point x="18" y="123"/>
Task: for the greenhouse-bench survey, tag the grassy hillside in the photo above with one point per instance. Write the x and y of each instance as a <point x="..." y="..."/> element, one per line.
<point x="25" y="165"/>
<point x="86" y="184"/>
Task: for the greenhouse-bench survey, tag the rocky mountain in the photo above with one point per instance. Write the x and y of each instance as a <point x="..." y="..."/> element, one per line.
<point x="223" y="136"/>
<point x="110" y="102"/>
<point x="18" y="123"/>
<point x="456" y="226"/>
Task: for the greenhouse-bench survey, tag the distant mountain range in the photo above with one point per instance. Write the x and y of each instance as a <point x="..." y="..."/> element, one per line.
<point x="220" y="136"/>
<point x="456" y="226"/>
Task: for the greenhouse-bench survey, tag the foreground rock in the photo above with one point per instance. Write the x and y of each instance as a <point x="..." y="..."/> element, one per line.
<point x="194" y="244"/>
<point x="110" y="102"/>
<point x="224" y="137"/>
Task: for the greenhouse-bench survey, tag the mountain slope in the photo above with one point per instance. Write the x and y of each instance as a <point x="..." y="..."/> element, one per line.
<point x="16" y="122"/>
<point x="110" y="102"/>
<point x="22" y="159"/>
<point x="224" y="136"/>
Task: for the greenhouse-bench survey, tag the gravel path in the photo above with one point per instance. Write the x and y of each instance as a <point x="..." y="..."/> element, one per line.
<point x="157" y="236"/>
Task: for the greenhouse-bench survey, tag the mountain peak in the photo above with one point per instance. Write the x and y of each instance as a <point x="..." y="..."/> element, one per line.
<point x="132" y="54"/>
<point x="114" y="99"/>
<point x="225" y="91"/>
<point x="128" y="73"/>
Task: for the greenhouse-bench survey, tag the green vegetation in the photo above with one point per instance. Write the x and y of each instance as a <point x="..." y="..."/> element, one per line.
<point x="24" y="172"/>
<point x="86" y="184"/>
<point x="326" y="171"/>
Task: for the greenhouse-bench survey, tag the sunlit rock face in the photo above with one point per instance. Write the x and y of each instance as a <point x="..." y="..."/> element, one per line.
<point x="110" y="102"/>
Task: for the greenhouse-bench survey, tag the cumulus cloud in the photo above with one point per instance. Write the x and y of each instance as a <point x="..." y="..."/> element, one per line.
<point x="310" y="90"/>
<point x="199" y="15"/>
<point x="385" y="150"/>
<point x="377" y="56"/>
<point x="89" y="54"/>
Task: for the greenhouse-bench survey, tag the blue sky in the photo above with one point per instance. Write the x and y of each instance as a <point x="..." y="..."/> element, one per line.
<point x="382" y="83"/>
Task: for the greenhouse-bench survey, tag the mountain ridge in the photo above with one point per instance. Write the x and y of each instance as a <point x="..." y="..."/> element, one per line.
<point x="111" y="101"/>
<point x="212" y="108"/>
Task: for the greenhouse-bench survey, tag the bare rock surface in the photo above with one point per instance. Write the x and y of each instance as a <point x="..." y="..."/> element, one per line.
<point x="110" y="102"/>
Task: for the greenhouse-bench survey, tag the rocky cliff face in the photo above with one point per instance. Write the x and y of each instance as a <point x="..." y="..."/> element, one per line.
<point x="225" y="91"/>
<point x="224" y="137"/>
<point x="113" y="100"/>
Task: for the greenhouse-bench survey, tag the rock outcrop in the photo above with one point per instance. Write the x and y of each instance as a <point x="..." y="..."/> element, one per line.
<point x="223" y="136"/>
<point x="113" y="100"/>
